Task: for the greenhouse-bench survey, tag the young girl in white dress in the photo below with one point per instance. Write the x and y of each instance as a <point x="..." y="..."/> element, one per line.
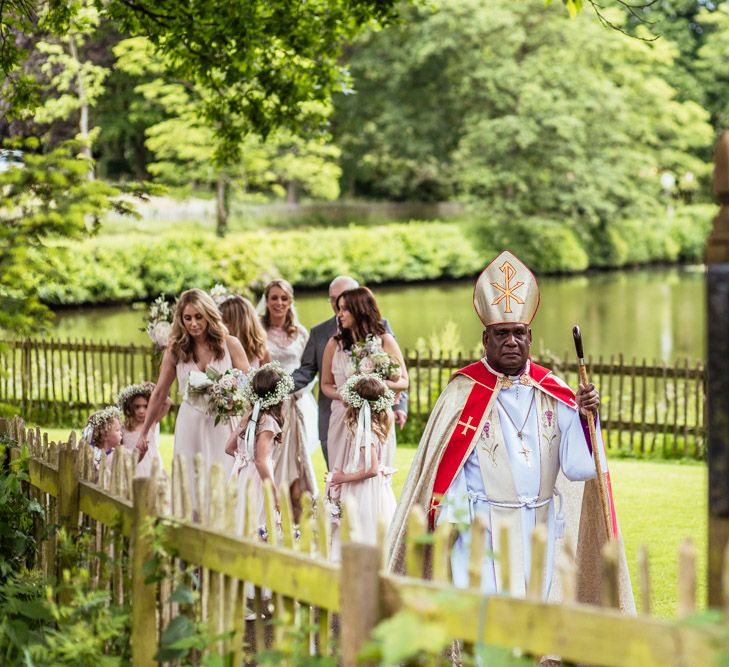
<point x="253" y="446"/>
<point x="365" y="478"/>
<point x="286" y="339"/>
<point x="133" y="401"/>
<point x="242" y="321"/>
<point x="103" y="433"/>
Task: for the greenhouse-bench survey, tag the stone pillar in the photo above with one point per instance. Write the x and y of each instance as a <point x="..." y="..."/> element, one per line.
<point x="717" y="373"/>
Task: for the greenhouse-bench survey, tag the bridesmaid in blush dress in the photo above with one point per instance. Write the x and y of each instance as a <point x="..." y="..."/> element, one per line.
<point x="199" y="341"/>
<point x="358" y="317"/>
<point x="286" y="339"/>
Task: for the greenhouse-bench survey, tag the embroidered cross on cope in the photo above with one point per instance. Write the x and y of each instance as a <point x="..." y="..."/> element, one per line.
<point x="466" y="426"/>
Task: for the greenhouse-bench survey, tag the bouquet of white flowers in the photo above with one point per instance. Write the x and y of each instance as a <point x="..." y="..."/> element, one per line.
<point x="369" y="357"/>
<point x="159" y="321"/>
<point x="226" y="398"/>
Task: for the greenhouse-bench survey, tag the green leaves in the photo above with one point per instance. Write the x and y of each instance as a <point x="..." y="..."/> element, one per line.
<point x="256" y="63"/>
<point x="17" y="513"/>
<point x="48" y="198"/>
<point x="530" y="117"/>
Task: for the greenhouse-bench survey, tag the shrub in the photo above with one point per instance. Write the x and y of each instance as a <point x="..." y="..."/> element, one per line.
<point x="546" y="246"/>
<point x="691" y="227"/>
<point x="137" y="267"/>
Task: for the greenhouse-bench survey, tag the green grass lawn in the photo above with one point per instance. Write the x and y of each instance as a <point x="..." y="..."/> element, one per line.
<point x="659" y="504"/>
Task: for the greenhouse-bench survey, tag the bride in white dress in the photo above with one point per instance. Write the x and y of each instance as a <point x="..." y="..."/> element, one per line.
<point x="286" y="339"/>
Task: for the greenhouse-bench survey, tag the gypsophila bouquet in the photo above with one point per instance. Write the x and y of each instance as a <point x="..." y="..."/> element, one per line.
<point x="226" y="396"/>
<point x="159" y="321"/>
<point x="368" y="356"/>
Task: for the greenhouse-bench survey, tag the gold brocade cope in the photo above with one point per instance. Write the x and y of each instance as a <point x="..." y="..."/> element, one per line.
<point x="506" y="292"/>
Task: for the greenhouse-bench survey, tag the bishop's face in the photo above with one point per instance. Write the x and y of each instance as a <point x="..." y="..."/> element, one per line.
<point x="507" y="346"/>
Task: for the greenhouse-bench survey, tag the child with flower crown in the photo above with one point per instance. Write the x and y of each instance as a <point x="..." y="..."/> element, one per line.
<point x="253" y="445"/>
<point x="133" y="401"/>
<point x="365" y="478"/>
<point x="103" y="433"/>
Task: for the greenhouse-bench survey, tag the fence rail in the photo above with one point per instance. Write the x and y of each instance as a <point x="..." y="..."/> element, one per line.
<point x="307" y="590"/>
<point x="646" y="406"/>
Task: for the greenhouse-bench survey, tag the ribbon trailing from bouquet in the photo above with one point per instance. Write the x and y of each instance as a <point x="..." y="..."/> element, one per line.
<point x="362" y="438"/>
<point x="250" y="435"/>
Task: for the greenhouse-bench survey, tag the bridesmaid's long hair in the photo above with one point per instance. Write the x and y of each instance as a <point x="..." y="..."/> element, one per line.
<point x="181" y="343"/>
<point x="360" y="302"/>
<point x="289" y="325"/>
<point x="241" y="318"/>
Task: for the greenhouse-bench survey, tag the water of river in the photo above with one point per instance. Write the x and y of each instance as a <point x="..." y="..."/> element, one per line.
<point x="651" y="313"/>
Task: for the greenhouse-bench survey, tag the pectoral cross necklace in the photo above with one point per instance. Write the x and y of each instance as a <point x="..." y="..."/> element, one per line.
<point x="525" y="451"/>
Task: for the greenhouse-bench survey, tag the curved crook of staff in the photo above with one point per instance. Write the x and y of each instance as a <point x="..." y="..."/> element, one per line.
<point x="602" y="492"/>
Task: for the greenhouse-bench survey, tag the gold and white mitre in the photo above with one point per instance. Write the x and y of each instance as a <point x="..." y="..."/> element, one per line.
<point x="506" y="291"/>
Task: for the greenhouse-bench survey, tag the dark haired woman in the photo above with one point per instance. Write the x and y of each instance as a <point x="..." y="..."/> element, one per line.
<point x="199" y="341"/>
<point x="359" y="317"/>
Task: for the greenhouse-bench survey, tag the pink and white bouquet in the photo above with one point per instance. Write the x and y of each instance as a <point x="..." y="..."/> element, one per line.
<point x="226" y="398"/>
<point x="159" y="321"/>
<point x="219" y="395"/>
<point x="368" y="356"/>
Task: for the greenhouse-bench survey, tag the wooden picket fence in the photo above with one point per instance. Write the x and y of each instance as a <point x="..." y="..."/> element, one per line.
<point x="646" y="407"/>
<point x="335" y="604"/>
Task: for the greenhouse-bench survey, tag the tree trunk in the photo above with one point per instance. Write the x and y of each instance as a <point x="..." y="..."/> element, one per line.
<point x="83" y="124"/>
<point x="291" y="192"/>
<point x="222" y="204"/>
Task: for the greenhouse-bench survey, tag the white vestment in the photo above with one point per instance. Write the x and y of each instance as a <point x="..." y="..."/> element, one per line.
<point x="522" y="490"/>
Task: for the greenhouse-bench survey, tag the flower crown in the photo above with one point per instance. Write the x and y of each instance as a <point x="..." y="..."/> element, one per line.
<point x="351" y="396"/>
<point x="98" y="420"/>
<point x="132" y="391"/>
<point x="283" y="388"/>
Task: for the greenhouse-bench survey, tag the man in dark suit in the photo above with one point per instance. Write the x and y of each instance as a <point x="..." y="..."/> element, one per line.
<point x="312" y="357"/>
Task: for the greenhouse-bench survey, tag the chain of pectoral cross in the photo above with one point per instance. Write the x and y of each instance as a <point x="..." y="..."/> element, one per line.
<point x="525" y="451"/>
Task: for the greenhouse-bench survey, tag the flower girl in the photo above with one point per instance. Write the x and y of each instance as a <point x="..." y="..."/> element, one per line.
<point x="253" y="445"/>
<point x="103" y="433"/>
<point x="133" y="401"/>
<point x="365" y="478"/>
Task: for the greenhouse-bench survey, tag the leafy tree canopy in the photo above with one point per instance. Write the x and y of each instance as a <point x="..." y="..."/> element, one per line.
<point x="511" y="106"/>
<point x="261" y="61"/>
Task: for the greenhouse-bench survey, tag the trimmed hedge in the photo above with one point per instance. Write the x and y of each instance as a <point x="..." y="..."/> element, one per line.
<point x="139" y="267"/>
<point x="114" y="269"/>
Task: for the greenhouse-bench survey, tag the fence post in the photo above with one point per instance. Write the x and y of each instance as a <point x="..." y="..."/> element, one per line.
<point x="717" y="372"/>
<point x="360" y="604"/>
<point x="144" y="596"/>
<point x="68" y="512"/>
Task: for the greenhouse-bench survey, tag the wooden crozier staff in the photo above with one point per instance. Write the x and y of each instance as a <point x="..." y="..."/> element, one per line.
<point x="577" y="335"/>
